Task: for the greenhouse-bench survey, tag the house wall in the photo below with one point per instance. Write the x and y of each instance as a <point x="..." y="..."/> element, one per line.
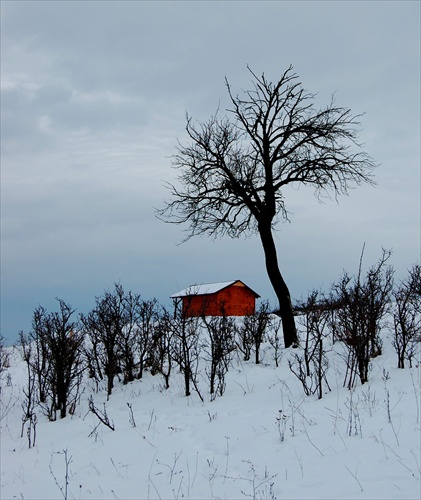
<point x="237" y="300"/>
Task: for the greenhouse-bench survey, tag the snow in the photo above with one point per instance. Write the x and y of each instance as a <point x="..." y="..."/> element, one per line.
<point x="203" y="289"/>
<point x="262" y="439"/>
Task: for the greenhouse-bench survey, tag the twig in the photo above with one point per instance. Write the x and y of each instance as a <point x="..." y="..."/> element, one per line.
<point x="149" y="476"/>
<point x="355" y="477"/>
<point x="145" y="439"/>
<point x="112" y="461"/>
<point x="228" y="456"/>
<point x="94" y="429"/>
<point x="131" y="416"/>
<point x="63" y="489"/>
<point x="300" y="462"/>
<point x="416" y="390"/>
<point x="311" y="442"/>
<point x="102" y="416"/>
<point x="150" y="421"/>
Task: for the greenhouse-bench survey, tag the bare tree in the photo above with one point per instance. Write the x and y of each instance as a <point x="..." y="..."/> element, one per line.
<point x="407" y="317"/>
<point x="233" y="174"/>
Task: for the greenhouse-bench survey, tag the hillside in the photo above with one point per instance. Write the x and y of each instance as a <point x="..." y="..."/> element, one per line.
<point x="263" y="438"/>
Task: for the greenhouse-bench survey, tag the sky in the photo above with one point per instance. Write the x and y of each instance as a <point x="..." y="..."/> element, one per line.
<point x="94" y="98"/>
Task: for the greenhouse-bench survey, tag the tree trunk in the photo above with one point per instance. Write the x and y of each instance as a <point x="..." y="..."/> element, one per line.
<point x="279" y="286"/>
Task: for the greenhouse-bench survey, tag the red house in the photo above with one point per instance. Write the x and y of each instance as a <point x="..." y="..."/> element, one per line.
<point x="232" y="298"/>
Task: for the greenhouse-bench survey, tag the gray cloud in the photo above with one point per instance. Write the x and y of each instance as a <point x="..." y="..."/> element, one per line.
<point x="94" y="96"/>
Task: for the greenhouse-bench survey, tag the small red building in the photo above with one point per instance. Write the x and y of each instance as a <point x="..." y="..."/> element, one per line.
<point x="232" y="298"/>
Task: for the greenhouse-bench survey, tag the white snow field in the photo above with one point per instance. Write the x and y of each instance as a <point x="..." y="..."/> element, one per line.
<point x="262" y="439"/>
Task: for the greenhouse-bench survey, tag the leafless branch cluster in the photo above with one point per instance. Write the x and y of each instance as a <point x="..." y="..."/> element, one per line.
<point x="29" y="417"/>
<point x="354" y="313"/>
<point x="361" y="306"/>
<point x="219" y="346"/>
<point x="55" y="359"/>
<point x="311" y="366"/>
<point x="407" y="317"/>
<point x="4" y="356"/>
<point x="233" y="171"/>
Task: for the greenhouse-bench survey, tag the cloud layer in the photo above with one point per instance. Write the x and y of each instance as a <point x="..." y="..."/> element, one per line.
<point x="94" y="96"/>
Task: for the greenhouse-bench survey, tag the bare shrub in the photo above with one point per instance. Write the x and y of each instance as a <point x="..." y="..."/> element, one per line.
<point x="275" y="340"/>
<point x="219" y="345"/>
<point x="407" y="317"/>
<point x="28" y="403"/>
<point x="159" y="353"/>
<point x="252" y="332"/>
<point x="185" y="349"/>
<point x="57" y="360"/>
<point x="127" y="340"/>
<point x="361" y="305"/>
<point x="111" y="336"/>
<point x="311" y="367"/>
<point x="147" y="320"/>
<point x="4" y="356"/>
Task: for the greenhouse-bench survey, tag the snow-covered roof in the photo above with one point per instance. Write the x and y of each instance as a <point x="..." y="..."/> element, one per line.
<point x="205" y="289"/>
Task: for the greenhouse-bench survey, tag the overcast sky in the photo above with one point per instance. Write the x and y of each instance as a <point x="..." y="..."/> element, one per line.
<point x="93" y="100"/>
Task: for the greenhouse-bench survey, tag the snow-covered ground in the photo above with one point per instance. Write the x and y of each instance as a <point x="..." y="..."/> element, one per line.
<point x="262" y="439"/>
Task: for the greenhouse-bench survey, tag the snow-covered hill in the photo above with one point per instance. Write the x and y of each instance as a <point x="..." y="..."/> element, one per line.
<point x="262" y="439"/>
